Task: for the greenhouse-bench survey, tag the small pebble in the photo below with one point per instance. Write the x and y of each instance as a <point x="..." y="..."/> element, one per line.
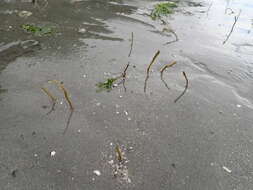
<point x="97" y="172"/>
<point x="52" y="153"/>
<point x="238" y="105"/>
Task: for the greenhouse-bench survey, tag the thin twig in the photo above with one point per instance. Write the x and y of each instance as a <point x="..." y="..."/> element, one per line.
<point x="163" y="69"/>
<point x="232" y="29"/>
<point x="66" y="95"/>
<point x="53" y="99"/>
<point x="148" y="69"/>
<point x="186" y="87"/>
<point x="124" y="76"/>
<point x="68" y="121"/>
<point x="132" y="41"/>
<point x="169" y="30"/>
<point x="119" y="153"/>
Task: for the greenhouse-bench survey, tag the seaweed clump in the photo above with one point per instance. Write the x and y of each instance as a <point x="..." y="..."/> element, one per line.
<point x="37" y="30"/>
<point x="107" y="85"/>
<point x="163" y="9"/>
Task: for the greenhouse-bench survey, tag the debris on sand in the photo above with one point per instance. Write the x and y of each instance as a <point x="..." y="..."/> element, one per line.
<point x="65" y="92"/>
<point x="119" y="153"/>
<point x="97" y="172"/>
<point x="226" y="169"/>
<point x="163" y="9"/>
<point x="233" y="26"/>
<point x="163" y="69"/>
<point x="120" y="169"/>
<point x="168" y="29"/>
<point x="37" y="30"/>
<point x="148" y="69"/>
<point x="185" y="89"/>
<point x="131" y="47"/>
<point x="124" y="76"/>
<point x="52" y="153"/>
<point x="110" y="83"/>
<point x="107" y="85"/>
<point x="68" y="121"/>
<point x="52" y="98"/>
<point x="24" y="14"/>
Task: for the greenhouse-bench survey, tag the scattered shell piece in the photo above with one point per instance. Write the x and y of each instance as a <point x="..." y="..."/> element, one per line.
<point x="82" y="30"/>
<point x="238" y="105"/>
<point x="227" y="169"/>
<point x="126" y="112"/>
<point x="35" y="155"/>
<point x="24" y="14"/>
<point x="129" y="119"/>
<point x="84" y="76"/>
<point x="97" y="172"/>
<point x="79" y="130"/>
<point x="52" y="153"/>
<point x="130" y="148"/>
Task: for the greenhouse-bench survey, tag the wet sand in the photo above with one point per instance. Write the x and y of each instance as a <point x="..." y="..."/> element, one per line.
<point x="204" y="141"/>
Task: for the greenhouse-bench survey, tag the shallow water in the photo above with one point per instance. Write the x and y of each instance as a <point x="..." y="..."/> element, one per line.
<point x="183" y="145"/>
